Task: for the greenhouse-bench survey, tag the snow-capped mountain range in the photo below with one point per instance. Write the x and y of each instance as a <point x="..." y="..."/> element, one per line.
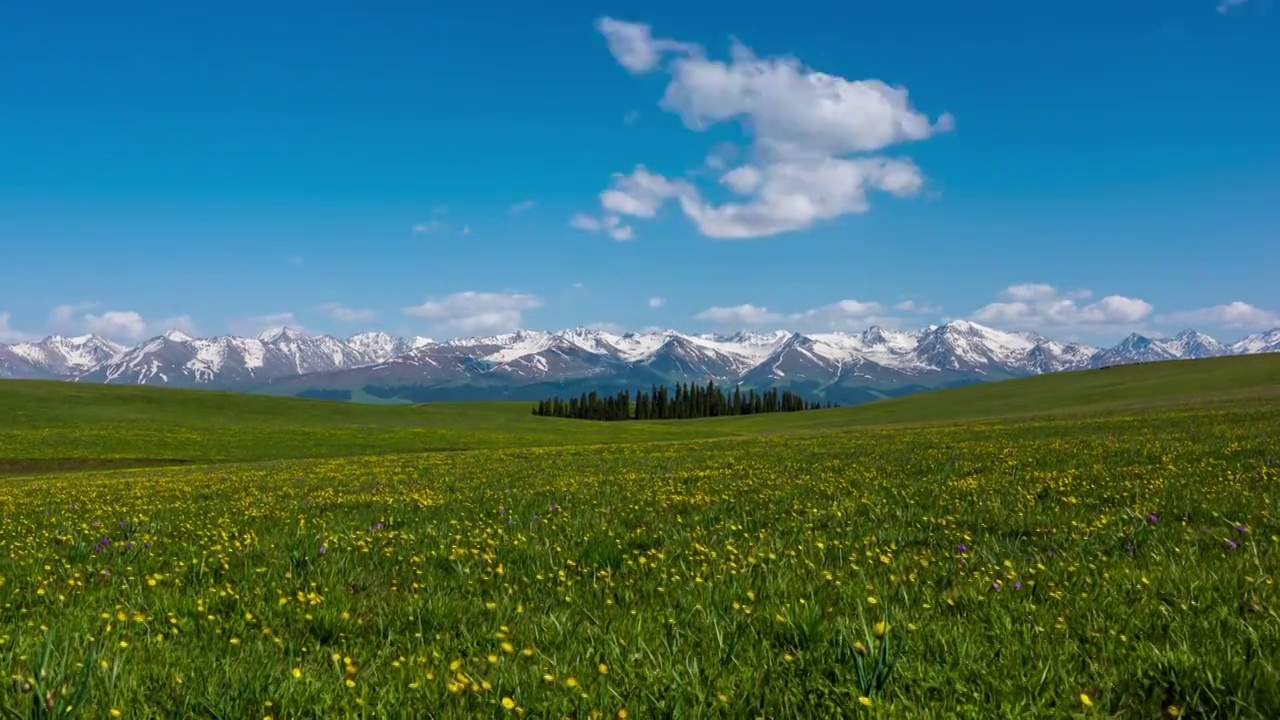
<point x="844" y="367"/>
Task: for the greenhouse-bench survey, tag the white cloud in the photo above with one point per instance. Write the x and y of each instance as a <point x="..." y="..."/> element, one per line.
<point x="522" y="206"/>
<point x="1030" y="291"/>
<point x="631" y="117"/>
<point x="609" y="327"/>
<point x="915" y="307"/>
<point x="256" y="324"/>
<point x="641" y="193"/>
<point x="789" y="196"/>
<point x="471" y="311"/>
<point x="117" y="323"/>
<point x="739" y="315"/>
<point x="1038" y="306"/>
<point x="438" y="224"/>
<point x="722" y="155"/>
<point x="610" y="224"/>
<point x="66" y="318"/>
<point x="803" y="123"/>
<point x="842" y="315"/>
<point x="1232" y="315"/>
<point x="181" y="323"/>
<point x="7" y="333"/>
<point x="657" y="302"/>
<point x="342" y="313"/>
<point x="582" y="221"/>
<point x="634" y="46"/>
<point x="113" y="324"/>
<point x="791" y="109"/>
<point x="577" y="286"/>
<point x="848" y="315"/>
<point x="1225" y="6"/>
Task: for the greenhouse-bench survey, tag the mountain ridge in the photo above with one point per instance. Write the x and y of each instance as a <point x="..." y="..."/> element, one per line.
<point x="842" y="366"/>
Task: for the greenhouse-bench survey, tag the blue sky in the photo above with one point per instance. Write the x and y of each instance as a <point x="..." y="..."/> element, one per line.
<point x="1084" y="169"/>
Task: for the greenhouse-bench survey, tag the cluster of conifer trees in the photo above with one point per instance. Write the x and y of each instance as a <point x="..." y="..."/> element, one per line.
<point x="685" y="402"/>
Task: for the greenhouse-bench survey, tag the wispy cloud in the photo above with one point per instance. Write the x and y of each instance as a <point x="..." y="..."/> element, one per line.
<point x="257" y="324"/>
<point x="473" y="311"/>
<point x="342" y="313"/>
<point x="522" y="207"/>
<point x="1231" y="315"/>
<point x="130" y="325"/>
<point x="1042" y="307"/>
<point x="7" y="332"/>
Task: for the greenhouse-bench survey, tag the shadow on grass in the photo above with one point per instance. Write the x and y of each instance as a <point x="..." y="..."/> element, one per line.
<point x="46" y="466"/>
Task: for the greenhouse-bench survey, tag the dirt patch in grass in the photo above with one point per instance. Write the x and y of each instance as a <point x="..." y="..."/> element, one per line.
<point x="45" y="466"/>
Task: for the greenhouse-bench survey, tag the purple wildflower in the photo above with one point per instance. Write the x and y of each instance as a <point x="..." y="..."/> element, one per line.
<point x="996" y="586"/>
<point x="1231" y="545"/>
<point x="1128" y="547"/>
<point x="1017" y="584"/>
<point x="1241" y="528"/>
<point x="1153" y="518"/>
<point x="962" y="548"/>
<point x="105" y="542"/>
<point x="378" y="526"/>
<point x="324" y="549"/>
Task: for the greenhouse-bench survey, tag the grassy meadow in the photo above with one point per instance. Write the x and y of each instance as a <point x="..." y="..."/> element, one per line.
<point x="1093" y="544"/>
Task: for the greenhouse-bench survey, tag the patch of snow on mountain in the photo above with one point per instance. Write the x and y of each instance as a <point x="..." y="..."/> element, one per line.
<point x="636" y="346"/>
<point x="594" y="341"/>
<point x="210" y="356"/>
<point x="521" y="344"/>
<point x="377" y="346"/>
<point x="746" y="349"/>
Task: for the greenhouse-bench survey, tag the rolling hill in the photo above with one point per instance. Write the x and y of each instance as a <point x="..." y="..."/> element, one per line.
<point x="51" y="425"/>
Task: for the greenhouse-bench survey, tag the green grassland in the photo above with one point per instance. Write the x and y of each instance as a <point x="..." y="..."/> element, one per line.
<point x="57" y="425"/>
<point x="1092" y="544"/>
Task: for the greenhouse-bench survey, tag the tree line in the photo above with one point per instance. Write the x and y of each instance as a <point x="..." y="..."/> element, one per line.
<point x="686" y="401"/>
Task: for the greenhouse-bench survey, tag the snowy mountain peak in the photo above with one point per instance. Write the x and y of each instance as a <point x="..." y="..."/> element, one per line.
<point x="750" y="337"/>
<point x="279" y="334"/>
<point x="378" y="346"/>
<point x="1263" y="342"/>
<point x="177" y="336"/>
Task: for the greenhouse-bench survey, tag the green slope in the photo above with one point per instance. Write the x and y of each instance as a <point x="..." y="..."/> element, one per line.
<point x="1127" y="389"/>
<point x="53" y="425"/>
